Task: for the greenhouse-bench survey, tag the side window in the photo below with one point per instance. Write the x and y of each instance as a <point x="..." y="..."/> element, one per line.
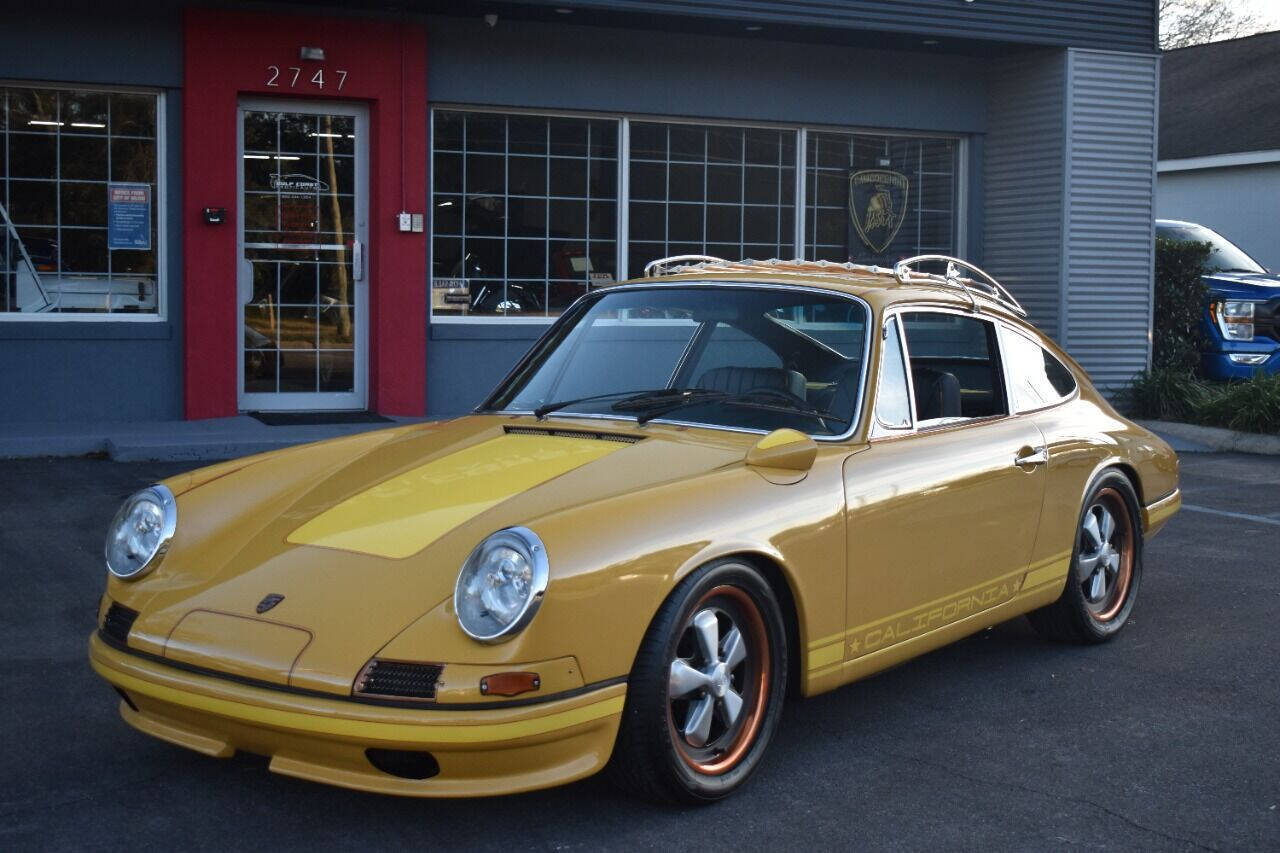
<point x="893" y="401"/>
<point x="1036" y="378"/>
<point x="955" y="366"/>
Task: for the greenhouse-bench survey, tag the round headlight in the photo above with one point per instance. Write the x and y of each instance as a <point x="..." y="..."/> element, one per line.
<point x="140" y="533"/>
<point x="501" y="585"/>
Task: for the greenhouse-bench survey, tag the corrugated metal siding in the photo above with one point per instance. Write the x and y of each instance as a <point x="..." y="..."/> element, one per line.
<point x="1025" y="160"/>
<point x="1109" y="249"/>
<point x="1100" y="24"/>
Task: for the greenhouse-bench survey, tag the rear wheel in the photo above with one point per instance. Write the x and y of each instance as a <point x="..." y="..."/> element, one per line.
<point x="1106" y="567"/>
<point x="706" y="690"/>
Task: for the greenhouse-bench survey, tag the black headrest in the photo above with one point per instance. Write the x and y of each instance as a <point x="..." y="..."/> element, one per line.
<point x="937" y="393"/>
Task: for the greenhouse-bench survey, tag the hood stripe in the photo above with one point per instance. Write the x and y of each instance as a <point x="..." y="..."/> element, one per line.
<point x="401" y="516"/>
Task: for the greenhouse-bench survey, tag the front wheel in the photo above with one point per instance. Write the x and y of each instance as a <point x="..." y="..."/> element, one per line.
<point x="706" y="690"/>
<point x="1106" y="567"/>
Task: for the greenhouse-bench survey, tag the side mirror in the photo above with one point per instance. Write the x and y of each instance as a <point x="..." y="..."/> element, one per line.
<point x="784" y="450"/>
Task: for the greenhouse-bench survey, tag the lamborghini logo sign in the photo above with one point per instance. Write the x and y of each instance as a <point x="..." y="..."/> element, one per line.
<point x="877" y="205"/>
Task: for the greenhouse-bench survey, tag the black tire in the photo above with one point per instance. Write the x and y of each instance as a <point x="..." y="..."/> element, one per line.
<point x="1081" y="615"/>
<point x="653" y="758"/>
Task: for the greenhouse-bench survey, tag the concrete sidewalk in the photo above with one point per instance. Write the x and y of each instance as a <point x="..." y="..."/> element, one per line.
<point x="167" y="441"/>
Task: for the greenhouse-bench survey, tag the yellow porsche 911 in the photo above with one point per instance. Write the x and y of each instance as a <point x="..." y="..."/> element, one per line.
<point x="697" y="491"/>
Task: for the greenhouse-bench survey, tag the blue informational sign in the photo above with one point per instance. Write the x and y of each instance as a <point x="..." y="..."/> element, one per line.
<point x="129" y="216"/>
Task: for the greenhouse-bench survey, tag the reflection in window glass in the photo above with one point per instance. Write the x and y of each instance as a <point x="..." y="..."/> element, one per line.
<point x="710" y="190"/>
<point x="893" y="402"/>
<point x="1037" y="379"/>
<point x="877" y="199"/>
<point x="524" y="212"/>
<point x="78" y="202"/>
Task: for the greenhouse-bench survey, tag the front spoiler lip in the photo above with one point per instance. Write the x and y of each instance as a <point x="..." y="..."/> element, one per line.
<point x="343" y="720"/>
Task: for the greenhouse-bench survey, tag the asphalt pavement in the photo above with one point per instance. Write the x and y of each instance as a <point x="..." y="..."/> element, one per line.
<point x="1167" y="738"/>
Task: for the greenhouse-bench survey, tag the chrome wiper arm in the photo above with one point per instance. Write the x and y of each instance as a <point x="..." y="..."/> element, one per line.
<point x="737" y="400"/>
<point x="547" y="408"/>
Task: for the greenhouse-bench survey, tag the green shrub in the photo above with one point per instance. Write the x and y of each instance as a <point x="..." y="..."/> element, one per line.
<point x="1167" y="394"/>
<point x="1180" y="294"/>
<point x="1252" y="405"/>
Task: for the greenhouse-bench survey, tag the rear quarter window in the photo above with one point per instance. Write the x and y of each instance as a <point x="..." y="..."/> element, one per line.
<point x="1036" y="378"/>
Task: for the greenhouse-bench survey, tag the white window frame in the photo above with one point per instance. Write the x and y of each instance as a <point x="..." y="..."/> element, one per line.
<point x="624" y="183"/>
<point x="159" y="211"/>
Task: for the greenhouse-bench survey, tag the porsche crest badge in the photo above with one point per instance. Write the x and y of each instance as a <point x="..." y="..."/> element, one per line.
<point x="269" y="602"/>
<point x="877" y="205"/>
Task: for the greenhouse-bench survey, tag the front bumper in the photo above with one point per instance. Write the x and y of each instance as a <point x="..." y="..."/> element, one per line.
<point x="479" y="752"/>
<point x="1218" y="365"/>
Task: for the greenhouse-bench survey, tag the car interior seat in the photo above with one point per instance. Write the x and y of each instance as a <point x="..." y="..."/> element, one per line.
<point x="937" y="393"/>
<point x="732" y="379"/>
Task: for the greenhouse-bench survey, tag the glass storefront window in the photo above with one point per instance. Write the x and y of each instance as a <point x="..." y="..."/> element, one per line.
<point x="78" y="202"/>
<point x="524" y="212"/>
<point x="710" y="190"/>
<point x="876" y="199"/>
<point x="525" y="207"/>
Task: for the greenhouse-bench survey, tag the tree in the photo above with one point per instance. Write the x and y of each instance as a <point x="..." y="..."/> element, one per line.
<point x="1187" y="22"/>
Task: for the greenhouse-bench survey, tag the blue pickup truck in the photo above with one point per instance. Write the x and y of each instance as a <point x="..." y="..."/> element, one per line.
<point x="1242" y="315"/>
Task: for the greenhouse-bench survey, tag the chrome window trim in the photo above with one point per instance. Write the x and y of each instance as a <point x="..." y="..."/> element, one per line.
<point x="906" y="369"/>
<point x="939" y="424"/>
<point x="854" y="422"/>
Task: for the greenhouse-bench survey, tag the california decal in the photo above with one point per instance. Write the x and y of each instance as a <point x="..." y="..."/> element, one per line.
<point x="877" y="205"/>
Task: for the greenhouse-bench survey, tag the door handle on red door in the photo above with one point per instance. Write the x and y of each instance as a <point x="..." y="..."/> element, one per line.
<point x="1028" y="457"/>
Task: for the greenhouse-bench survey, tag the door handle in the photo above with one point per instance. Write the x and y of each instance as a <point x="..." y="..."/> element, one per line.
<point x="245" y="283"/>
<point x="1038" y="456"/>
<point x="357" y="260"/>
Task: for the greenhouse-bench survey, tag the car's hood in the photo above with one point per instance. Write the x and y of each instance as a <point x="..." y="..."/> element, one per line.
<point x="1244" y="285"/>
<point x="362" y="541"/>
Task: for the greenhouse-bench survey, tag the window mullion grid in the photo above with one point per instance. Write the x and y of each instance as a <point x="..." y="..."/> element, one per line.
<point x="798" y="208"/>
<point x="587" y="208"/>
<point x="742" y="194"/>
<point x="506" y="214"/>
<point x="57" y="190"/>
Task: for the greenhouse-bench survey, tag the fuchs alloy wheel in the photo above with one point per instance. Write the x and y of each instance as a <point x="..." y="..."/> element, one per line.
<point x="706" y="690"/>
<point x="1106" y="567"/>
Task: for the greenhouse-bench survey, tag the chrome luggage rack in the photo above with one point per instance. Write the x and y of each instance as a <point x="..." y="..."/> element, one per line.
<point x="904" y="272"/>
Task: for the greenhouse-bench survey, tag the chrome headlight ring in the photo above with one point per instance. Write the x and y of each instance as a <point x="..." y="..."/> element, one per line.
<point x="501" y="585"/>
<point x="140" y="533"/>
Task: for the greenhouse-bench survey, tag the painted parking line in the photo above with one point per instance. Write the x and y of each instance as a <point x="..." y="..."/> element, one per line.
<point x="1261" y="519"/>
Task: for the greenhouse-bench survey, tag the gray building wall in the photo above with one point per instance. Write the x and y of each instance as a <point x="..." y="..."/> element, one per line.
<point x="100" y="370"/>
<point x="1025" y="168"/>
<point x="586" y="68"/>
<point x="1070" y="200"/>
<point x="1242" y="203"/>
<point x="1108" y="222"/>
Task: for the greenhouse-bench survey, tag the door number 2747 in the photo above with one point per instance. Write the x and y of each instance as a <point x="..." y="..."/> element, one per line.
<point x="293" y="72"/>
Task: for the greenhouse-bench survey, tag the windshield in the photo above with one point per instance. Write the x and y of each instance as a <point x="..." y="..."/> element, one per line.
<point x="729" y="356"/>
<point x="1224" y="255"/>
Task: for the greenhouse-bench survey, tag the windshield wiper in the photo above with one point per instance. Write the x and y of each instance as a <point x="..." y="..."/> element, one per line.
<point x="628" y="397"/>
<point x="737" y="400"/>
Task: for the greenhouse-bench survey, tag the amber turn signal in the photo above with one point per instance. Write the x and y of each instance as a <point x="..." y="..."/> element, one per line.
<point x="509" y="683"/>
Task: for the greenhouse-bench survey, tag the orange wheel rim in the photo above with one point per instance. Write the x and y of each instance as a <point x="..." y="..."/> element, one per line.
<point x="718" y="681"/>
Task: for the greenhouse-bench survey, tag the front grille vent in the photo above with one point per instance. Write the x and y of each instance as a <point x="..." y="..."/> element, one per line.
<point x="398" y="680"/>
<point x="575" y="433"/>
<point x="118" y="622"/>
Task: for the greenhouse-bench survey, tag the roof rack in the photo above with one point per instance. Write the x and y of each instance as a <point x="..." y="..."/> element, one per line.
<point x="984" y="286"/>
<point x="903" y="273"/>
